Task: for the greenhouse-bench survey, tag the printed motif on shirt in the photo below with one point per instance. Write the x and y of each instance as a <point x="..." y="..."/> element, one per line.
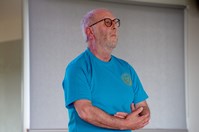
<point x="126" y="78"/>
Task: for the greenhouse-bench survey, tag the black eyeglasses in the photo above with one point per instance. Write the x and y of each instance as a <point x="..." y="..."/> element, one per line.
<point x="108" y="22"/>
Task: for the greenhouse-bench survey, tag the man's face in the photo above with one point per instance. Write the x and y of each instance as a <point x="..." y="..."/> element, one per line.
<point x="107" y="37"/>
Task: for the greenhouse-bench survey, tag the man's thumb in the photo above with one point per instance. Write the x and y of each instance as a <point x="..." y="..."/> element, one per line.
<point x="132" y="107"/>
<point x="138" y="111"/>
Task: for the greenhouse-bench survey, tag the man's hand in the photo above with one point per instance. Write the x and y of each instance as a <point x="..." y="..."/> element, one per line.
<point x="137" y="119"/>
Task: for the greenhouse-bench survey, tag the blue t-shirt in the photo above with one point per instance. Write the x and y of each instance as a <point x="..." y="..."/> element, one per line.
<point x="111" y="86"/>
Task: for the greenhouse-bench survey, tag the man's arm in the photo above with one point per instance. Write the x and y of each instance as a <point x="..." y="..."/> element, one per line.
<point x="97" y="117"/>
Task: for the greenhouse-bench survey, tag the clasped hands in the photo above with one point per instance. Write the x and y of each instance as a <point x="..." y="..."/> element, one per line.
<point x="137" y="119"/>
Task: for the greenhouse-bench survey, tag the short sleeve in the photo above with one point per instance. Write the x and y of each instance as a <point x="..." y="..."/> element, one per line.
<point x="75" y="85"/>
<point x="139" y="92"/>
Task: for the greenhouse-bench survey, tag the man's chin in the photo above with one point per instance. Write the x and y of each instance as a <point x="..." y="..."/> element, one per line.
<point x="113" y="45"/>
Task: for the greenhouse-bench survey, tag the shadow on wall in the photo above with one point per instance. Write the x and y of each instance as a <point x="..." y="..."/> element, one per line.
<point x="10" y="85"/>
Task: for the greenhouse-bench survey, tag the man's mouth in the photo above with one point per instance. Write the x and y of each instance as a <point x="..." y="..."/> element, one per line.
<point x="113" y="35"/>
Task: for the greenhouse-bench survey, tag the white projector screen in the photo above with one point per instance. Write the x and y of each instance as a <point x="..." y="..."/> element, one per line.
<point x="151" y="39"/>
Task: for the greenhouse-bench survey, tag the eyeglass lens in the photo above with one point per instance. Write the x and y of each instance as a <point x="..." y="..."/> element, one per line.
<point x="108" y="22"/>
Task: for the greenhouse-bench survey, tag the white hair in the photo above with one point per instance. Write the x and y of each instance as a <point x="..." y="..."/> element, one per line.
<point x="86" y="20"/>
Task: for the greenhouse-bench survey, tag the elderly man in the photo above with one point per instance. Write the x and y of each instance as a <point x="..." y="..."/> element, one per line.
<point x="102" y="92"/>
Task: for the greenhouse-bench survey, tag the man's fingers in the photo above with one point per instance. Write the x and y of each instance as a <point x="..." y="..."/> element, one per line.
<point x="121" y="115"/>
<point x="144" y="119"/>
<point x="143" y="123"/>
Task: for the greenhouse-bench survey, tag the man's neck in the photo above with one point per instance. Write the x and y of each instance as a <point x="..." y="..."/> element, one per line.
<point x="101" y="53"/>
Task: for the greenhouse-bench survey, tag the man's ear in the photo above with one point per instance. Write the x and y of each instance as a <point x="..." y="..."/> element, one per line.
<point x="89" y="33"/>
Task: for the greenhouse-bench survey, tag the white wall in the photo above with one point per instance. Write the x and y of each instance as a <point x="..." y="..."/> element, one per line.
<point x="192" y="66"/>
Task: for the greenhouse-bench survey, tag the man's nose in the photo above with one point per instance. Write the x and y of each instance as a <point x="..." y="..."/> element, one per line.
<point x="114" y="25"/>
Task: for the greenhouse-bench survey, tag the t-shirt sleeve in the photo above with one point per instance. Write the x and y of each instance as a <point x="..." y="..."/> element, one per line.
<point x="75" y="85"/>
<point x="139" y="92"/>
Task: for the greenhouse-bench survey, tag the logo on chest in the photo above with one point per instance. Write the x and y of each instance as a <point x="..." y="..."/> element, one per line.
<point x="126" y="78"/>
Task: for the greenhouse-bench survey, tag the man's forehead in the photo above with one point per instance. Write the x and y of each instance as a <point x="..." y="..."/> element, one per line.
<point x="104" y="14"/>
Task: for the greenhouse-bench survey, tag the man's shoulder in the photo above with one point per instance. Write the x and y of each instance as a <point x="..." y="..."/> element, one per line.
<point x="81" y="58"/>
<point x="80" y="62"/>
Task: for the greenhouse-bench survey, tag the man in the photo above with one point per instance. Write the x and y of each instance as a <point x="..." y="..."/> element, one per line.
<point x="103" y="93"/>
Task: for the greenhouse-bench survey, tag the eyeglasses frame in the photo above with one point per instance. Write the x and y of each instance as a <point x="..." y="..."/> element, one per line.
<point x="118" y="21"/>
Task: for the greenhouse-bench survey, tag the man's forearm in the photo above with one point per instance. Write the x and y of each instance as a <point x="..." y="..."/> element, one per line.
<point x="99" y="118"/>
